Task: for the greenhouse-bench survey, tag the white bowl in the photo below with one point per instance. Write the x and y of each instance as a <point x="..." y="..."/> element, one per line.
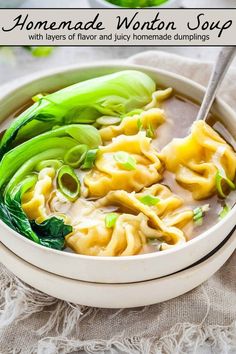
<point x="105" y="4"/>
<point x="113" y="269"/>
<point x="118" y="295"/>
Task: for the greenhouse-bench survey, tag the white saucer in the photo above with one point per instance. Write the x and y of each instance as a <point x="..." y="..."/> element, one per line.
<point x="118" y="295"/>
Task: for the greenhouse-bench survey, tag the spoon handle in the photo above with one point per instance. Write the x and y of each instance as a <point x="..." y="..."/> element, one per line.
<point x="220" y="68"/>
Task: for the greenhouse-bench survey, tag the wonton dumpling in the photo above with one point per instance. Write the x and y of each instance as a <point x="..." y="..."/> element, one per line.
<point x="159" y="96"/>
<point x="34" y="201"/>
<point x="108" y="175"/>
<point x="92" y="237"/>
<point x="95" y="239"/>
<point x="129" y="203"/>
<point x="89" y="239"/>
<point x="135" y="224"/>
<point x="196" y="159"/>
<point x="131" y="125"/>
<point x="90" y="234"/>
<point x="168" y="206"/>
<point x="168" y="200"/>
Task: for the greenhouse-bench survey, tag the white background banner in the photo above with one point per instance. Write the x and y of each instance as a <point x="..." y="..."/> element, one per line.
<point x="119" y="27"/>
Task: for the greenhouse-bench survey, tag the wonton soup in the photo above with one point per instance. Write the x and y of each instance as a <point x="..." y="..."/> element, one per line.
<point x="114" y="166"/>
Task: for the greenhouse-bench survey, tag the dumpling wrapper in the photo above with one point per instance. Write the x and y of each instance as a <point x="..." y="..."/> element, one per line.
<point x="132" y="125"/>
<point x="125" y="239"/>
<point x="34" y="201"/>
<point x="136" y="223"/>
<point x="170" y="207"/>
<point x="108" y="175"/>
<point x="129" y="202"/>
<point x="196" y="159"/>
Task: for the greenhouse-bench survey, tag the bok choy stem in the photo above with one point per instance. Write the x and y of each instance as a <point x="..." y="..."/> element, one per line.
<point x="75" y="156"/>
<point x="51" y="145"/>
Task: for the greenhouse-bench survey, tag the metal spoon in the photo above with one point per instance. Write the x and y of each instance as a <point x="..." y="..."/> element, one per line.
<point x="221" y="66"/>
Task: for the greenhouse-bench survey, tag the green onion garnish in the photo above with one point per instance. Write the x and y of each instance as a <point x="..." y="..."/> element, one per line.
<point x="219" y="180"/>
<point x="224" y="211"/>
<point x="76" y="155"/>
<point x="124" y="159"/>
<point x="198" y="214"/>
<point x="110" y="220"/>
<point x="150" y="131"/>
<point x="149" y="200"/>
<point x="68" y="183"/>
<point x="89" y="159"/>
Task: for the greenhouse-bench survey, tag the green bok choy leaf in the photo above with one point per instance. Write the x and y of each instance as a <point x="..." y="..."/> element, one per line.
<point x="84" y="102"/>
<point x="12" y="207"/>
<point x="25" y="161"/>
<point x="52" y="232"/>
<point x="51" y="145"/>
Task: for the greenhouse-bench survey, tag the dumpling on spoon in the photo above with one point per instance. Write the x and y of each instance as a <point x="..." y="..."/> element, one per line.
<point x="202" y="162"/>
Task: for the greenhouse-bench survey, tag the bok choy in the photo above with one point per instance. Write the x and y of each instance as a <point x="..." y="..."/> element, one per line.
<point x="51" y="145"/>
<point x="51" y="139"/>
<point x="19" y="173"/>
<point x="110" y="95"/>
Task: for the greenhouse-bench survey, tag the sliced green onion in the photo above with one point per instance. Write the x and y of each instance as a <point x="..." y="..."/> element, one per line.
<point x="68" y="183"/>
<point x="150" y="131"/>
<point x="56" y="164"/>
<point x="110" y="220"/>
<point x="139" y="124"/>
<point x="76" y="155"/>
<point x="108" y="120"/>
<point x="198" y="214"/>
<point x="224" y="211"/>
<point x="37" y="97"/>
<point x="89" y="159"/>
<point x="124" y="159"/>
<point x="219" y="180"/>
<point x="149" y="200"/>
